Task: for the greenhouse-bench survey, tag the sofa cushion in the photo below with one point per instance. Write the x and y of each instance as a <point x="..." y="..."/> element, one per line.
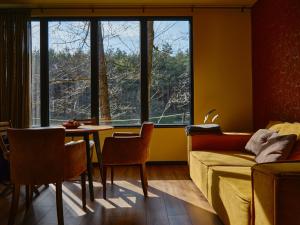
<point x="286" y="128"/>
<point x="225" y="141"/>
<point x="277" y="147"/>
<point x="255" y="144"/>
<point x="224" y="158"/>
<point x="200" y="161"/>
<point x="229" y="192"/>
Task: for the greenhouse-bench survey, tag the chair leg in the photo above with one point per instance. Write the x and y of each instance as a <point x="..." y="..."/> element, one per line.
<point x="59" y="204"/>
<point x="35" y="190"/>
<point x="112" y="174"/>
<point x="29" y="190"/>
<point x="144" y="179"/>
<point x="104" y="181"/>
<point x="7" y="190"/>
<point x="14" y="204"/>
<point x="83" y="188"/>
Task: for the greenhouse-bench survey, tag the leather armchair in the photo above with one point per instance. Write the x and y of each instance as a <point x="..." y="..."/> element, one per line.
<point x="40" y="156"/>
<point x="128" y="149"/>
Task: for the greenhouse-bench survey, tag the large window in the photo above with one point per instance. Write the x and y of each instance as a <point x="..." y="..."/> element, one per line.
<point x="121" y="71"/>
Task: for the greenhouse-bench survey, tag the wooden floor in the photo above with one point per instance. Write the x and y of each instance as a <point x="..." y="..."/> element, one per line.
<point x="173" y="200"/>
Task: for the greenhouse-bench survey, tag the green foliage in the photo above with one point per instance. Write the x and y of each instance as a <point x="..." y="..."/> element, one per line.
<point x="170" y="89"/>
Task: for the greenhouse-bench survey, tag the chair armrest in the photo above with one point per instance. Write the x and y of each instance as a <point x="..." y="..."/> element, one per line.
<point x="276" y="194"/>
<point x="5" y="150"/>
<point x="225" y="141"/>
<point x="125" y="134"/>
<point x="74" y="159"/>
<point x="123" y="150"/>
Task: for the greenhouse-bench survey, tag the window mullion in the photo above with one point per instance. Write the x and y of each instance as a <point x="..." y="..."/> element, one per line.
<point x="44" y="68"/>
<point x="144" y="70"/>
<point x="94" y="70"/>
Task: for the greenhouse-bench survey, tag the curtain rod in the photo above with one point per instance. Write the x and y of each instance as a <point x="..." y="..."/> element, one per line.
<point x="137" y="7"/>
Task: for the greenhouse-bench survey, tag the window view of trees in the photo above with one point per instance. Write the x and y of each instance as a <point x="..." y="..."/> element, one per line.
<point x="35" y="74"/>
<point x="69" y="71"/>
<point x="169" y="63"/>
<point x="119" y="55"/>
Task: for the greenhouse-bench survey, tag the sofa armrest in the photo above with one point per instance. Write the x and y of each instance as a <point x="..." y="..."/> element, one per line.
<point x="225" y="141"/>
<point x="276" y="193"/>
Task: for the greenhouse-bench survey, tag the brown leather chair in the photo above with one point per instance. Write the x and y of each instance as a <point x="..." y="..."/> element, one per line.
<point x="40" y="156"/>
<point x="4" y="169"/>
<point x="4" y="158"/>
<point x="3" y="136"/>
<point x="128" y="149"/>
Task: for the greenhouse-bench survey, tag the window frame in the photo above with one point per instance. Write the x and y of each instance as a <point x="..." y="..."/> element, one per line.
<point x="144" y="114"/>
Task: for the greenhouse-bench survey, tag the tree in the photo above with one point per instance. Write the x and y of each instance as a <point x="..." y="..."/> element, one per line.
<point x="150" y="45"/>
<point x="103" y="84"/>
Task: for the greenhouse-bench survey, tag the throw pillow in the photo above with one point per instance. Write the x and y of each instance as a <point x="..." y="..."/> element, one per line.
<point x="277" y="147"/>
<point x="255" y="144"/>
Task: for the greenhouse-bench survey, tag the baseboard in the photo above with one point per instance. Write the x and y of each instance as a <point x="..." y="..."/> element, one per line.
<point x="166" y="163"/>
<point x="157" y="163"/>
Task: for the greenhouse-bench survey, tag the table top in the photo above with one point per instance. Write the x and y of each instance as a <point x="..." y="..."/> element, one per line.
<point x="88" y="129"/>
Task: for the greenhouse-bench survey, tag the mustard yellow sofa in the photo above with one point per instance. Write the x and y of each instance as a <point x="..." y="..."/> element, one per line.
<point x="241" y="191"/>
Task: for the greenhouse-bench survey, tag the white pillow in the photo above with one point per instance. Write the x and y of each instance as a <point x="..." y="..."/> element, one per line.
<point x="256" y="142"/>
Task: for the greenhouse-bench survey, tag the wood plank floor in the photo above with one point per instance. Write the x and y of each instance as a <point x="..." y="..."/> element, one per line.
<point x="173" y="200"/>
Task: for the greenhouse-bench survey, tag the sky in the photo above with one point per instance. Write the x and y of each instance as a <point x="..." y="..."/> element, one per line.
<point x="123" y="35"/>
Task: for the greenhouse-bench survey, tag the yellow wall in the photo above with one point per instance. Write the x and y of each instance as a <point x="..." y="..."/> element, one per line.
<point x="222" y="64"/>
<point x="222" y="71"/>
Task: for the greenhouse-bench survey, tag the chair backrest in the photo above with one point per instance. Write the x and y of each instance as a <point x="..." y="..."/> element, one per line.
<point x="4" y="151"/>
<point x="146" y="134"/>
<point x="128" y="150"/>
<point x="3" y="137"/>
<point x="146" y="131"/>
<point x="4" y="126"/>
<point x="36" y="155"/>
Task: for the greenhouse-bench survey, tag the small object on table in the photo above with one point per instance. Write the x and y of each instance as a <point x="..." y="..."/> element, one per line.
<point x="71" y="124"/>
<point x="209" y="128"/>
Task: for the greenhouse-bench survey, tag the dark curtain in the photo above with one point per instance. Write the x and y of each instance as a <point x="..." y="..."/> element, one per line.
<point x="15" y="67"/>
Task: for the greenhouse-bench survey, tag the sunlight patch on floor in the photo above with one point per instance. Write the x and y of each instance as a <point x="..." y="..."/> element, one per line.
<point x="132" y="199"/>
<point x="104" y="203"/>
<point x="72" y="201"/>
<point x="134" y="188"/>
<point x="120" y="202"/>
<point x="172" y="188"/>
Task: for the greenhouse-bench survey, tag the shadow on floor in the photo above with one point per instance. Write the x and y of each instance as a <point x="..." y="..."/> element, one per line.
<point x="173" y="199"/>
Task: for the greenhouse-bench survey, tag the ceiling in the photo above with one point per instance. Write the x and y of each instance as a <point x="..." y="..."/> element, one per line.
<point x="99" y="3"/>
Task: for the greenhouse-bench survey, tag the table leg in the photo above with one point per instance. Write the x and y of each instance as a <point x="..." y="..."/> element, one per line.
<point x="98" y="153"/>
<point x="89" y="166"/>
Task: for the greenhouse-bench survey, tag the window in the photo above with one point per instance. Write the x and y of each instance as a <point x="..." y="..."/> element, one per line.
<point x="170" y="72"/>
<point x="119" y="63"/>
<point x="69" y="71"/>
<point x="35" y="74"/>
<point x="122" y="71"/>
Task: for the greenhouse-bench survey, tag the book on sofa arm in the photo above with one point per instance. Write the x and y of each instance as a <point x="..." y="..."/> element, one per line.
<point x="209" y="128"/>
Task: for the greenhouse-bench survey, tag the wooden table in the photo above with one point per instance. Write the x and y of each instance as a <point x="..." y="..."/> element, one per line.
<point x="85" y="131"/>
